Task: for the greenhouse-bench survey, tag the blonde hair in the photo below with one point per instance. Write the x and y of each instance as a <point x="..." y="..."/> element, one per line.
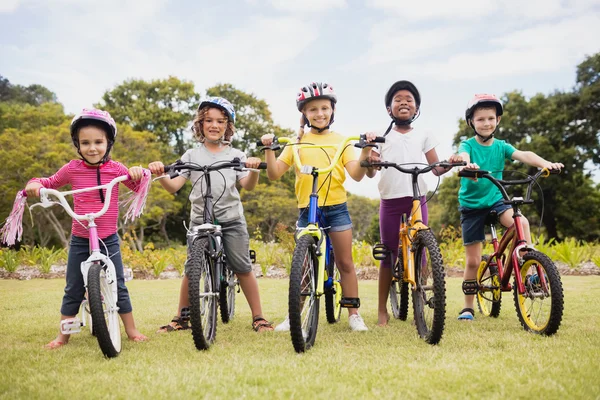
<point x="197" y="125"/>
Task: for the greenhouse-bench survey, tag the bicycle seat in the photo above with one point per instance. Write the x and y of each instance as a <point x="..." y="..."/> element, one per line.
<point x="492" y="218"/>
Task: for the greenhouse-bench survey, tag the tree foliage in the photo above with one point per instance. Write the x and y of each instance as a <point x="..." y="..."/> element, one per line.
<point x="561" y="127"/>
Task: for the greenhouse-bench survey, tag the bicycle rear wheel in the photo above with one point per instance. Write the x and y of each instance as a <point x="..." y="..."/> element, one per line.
<point x="203" y="297"/>
<point x="333" y="295"/>
<point x="540" y="310"/>
<point x="399" y="290"/>
<point x="429" y="295"/>
<point x="227" y="295"/>
<point x="489" y="295"/>
<point x="104" y="311"/>
<point x="303" y="301"/>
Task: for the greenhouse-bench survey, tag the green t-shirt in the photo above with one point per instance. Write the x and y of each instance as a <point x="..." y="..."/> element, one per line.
<point x="483" y="193"/>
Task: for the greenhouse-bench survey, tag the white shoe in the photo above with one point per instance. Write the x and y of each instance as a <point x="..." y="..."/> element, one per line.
<point x="356" y="323"/>
<point x="284" y="326"/>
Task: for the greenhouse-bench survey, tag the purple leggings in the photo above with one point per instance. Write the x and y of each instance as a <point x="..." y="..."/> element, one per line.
<point x="390" y="214"/>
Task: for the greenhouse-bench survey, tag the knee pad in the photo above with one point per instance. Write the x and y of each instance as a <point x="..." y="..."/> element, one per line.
<point x="350" y="302"/>
<point x="470" y="286"/>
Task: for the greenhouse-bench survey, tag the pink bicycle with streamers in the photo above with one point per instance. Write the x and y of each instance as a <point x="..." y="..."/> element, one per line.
<point x="100" y="310"/>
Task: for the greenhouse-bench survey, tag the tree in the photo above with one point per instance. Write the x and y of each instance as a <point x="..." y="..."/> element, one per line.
<point x="34" y="95"/>
<point x="164" y="107"/>
<point x="560" y="127"/>
<point x="362" y="211"/>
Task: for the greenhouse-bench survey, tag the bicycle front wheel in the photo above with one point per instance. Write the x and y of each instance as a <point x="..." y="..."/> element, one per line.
<point x="333" y="295"/>
<point x="429" y="295"/>
<point x="104" y="311"/>
<point x="399" y="290"/>
<point x="227" y="295"/>
<point x="203" y="298"/>
<point x="489" y="294"/>
<point x="539" y="309"/>
<point x="303" y="302"/>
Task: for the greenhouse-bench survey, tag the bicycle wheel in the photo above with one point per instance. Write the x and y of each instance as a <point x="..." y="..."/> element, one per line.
<point x="227" y="295"/>
<point x="489" y="295"/>
<point x="429" y="295"/>
<point x="303" y="301"/>
<point x="399" y="291"/>
<point x="103" y="309"/>
<point x="203" y="301"/>
<point x="540" y="310"/>
<point x="333" y="295"/>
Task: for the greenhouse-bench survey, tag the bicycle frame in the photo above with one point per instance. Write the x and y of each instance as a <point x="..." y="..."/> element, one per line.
<point x="313" y="229"/>
<point x="514" y="236"/>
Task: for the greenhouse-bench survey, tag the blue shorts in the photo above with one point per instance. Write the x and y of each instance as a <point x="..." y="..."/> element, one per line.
<point x="334" y="218"/>
<point x="472" y="221"/>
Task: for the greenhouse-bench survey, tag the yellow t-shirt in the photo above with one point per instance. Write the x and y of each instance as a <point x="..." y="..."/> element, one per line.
<point x="332" y="192"/>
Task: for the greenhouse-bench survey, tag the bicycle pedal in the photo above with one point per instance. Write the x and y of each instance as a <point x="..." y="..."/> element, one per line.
<point x="253" y="256"/>
<point x="70" y="325"/>
<point x="380" y="251"/>
<point x="350" y="302"/>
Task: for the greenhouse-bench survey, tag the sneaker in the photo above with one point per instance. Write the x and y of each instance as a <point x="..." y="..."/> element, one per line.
<point x="284" y="326"/>
<point x="356" y="323"/>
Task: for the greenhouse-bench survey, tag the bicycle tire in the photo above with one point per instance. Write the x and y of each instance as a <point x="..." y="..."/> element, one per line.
<point x="533" y="311"/>
<point x="429" y="295"/>
<point x="202" y="296"/>
<point x="489" y="293"/>
<point x="333" y="308"/>
<point x="105" y="320"/>
<point x="227" y="295"/>
<point x="399" y="291"/>
<point x="303" y="302"/>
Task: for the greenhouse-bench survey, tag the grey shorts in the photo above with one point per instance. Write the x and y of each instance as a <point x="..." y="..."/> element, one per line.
<point x="472" y="221"/>
<point x="236" y="243"/>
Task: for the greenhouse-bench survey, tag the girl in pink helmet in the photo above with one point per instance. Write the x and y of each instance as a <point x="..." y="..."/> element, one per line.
<point x="93" y="133"/>
<point x="316" y="102"/>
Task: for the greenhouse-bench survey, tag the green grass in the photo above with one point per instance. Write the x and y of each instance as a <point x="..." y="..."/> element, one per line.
<point x="490" y="358"/>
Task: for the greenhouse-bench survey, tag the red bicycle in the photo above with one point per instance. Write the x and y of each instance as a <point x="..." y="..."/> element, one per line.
<point x="537" y="287"/>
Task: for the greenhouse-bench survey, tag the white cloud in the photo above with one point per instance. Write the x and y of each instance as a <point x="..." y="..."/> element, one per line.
<point x="475" y="9"/>
<point x="8" y="6"/>
<point x="307" y="6"/>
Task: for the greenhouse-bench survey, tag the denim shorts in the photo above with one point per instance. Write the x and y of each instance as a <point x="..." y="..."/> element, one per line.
<point x="472" y="221"/>
<point x="335" y="218"/>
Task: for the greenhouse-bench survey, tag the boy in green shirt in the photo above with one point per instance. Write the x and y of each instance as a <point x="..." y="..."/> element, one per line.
<point x="477" y="198"/>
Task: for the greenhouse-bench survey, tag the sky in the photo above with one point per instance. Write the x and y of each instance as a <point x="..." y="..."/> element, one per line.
<point x="450" y="50"/>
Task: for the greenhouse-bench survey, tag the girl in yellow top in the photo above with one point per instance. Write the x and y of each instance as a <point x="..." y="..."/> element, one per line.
<point x="316" y="102"/>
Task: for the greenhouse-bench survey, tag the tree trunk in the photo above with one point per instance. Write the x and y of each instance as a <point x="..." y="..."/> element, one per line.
<point x="55" y="223"/>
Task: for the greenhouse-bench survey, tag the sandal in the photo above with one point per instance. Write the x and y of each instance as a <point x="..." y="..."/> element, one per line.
<point x="259" y="324"/>
<point x="176" y="324"/>
<point x="55" y="344"/>
<point x="466" y="314"/>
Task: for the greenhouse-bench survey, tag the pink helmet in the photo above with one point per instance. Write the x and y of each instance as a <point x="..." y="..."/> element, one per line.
<point x="94" y="114"/>
<point x="483" y="100"/>
<point x="313" y="91"/>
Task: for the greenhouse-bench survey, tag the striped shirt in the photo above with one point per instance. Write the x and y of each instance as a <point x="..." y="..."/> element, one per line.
<point x="79" y="175"/>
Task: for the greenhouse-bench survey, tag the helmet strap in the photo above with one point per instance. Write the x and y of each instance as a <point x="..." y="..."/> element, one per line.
<point x="306" y="121"/>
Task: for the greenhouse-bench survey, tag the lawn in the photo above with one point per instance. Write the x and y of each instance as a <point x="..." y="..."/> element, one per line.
<point x="490" y="358"/>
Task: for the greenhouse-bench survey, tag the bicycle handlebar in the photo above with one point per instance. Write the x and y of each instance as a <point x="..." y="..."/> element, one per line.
<point x="45" y="201"/>
<point x="413" y="171"/>
<point x="362" y="143"/>
<point x="501" y="183"/>
<point x="173" y="169"/>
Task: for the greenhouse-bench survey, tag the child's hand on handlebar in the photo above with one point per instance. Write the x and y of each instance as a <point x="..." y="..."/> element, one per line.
<point x="33" y="189"/>
<point x="136" y="173"/>
<point x="157" y="168"/>
<point x="552" y="165"/>
<point x="253" y="162"/>
<point x="267" y="139"/>
<point x="370" y="136"/>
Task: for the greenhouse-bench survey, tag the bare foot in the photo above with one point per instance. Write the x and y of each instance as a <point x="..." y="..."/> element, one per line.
<point x="383" y="319"/>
